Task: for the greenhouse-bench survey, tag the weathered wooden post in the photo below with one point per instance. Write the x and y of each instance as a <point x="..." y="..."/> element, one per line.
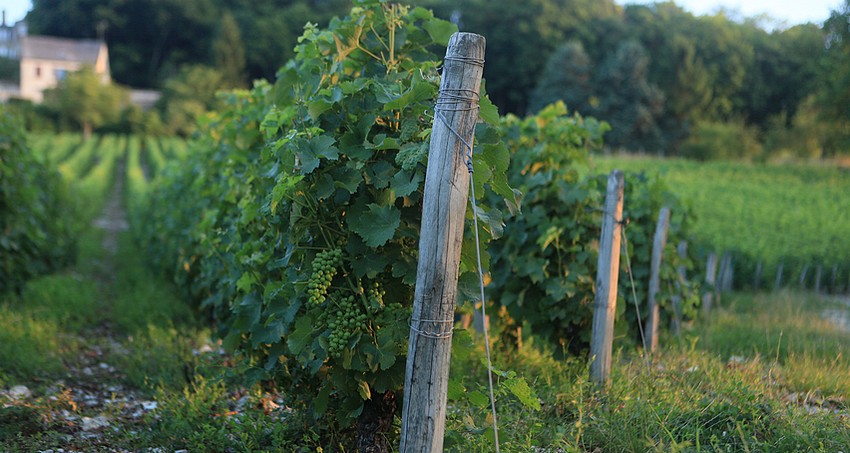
<point x="725" y="275"/>
<point x="658" y="244"/>
<point x="803" y="276"/>
<point x="710" y="280"/>
<point x="778" y="285"/>
<point x="443" y="211"/>
<point x="757" y="279"/>
<point x="676" y="322"/>
<point x="605" y="305"/>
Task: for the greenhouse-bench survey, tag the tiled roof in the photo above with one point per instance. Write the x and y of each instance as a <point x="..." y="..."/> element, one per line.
<point x="50" y="48"/>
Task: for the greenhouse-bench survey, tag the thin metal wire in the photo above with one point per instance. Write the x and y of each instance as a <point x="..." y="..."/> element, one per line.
<point x="634" y="292"/>
<point x="469" y="60"/>
<point x="455" y="96"/>
<point x="429" y="334"/>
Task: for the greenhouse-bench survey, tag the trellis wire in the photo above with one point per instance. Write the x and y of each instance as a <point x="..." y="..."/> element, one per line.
<point x="634" y="292"/>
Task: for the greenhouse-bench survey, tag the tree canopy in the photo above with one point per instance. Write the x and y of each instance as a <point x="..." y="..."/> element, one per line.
<point x="695" y="70"/>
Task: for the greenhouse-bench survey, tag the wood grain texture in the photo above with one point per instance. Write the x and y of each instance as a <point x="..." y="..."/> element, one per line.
<point x="658" y="244"/>
<point x="605" y="305"/>
<point x="441" y="236"/>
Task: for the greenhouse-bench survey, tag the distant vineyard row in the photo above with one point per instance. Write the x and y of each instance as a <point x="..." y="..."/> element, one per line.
<point x="795" y="215"/>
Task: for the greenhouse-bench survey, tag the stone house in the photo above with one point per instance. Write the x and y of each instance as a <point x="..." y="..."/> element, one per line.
<point x="46" y="60"/>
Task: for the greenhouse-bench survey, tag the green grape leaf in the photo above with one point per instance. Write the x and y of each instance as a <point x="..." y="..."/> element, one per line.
<point x="440" y="30"/>
<point x="404" y="184"/>
<point x="478" y="399"/>
<point x="310" y="151"/>
<point x="375" y="224"/>
<point x="301" y="337"/>
<point x="525" y="394"/>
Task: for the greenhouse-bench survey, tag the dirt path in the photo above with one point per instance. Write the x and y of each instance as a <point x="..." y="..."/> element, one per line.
<point x="113" y="219"/>
<point x="91" y="402"/>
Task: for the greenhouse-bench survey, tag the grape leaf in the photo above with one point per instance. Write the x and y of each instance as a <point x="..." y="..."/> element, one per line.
<point x="375" y="224"/>
<point x="520" y="389"/>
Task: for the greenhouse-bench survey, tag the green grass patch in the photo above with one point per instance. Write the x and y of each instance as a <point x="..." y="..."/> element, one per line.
<point x="70" y="300"/>
<point x="30" y="348"/>
<point x="142" y="299"/>
<point x="730" y="385"/>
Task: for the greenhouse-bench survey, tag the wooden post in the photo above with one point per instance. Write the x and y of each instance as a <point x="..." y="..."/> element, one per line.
<point x="658" y="245"/>
<point x="724" y="276"/>
<point x="729" y="278"/>
<point x="817" y="278"/>
<point x="803" y="276"/>
<point x="721" y="274"/>
<point x="779" y="270"/>
<point x="443" y="211"/>
<point x="710" y="281"/>
<point x="605" y="305"/>
<point x="757" y="280"/>
<point x="676" y="322"/>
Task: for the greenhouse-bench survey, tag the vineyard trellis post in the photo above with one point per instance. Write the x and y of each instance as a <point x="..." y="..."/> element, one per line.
<point x="803" y="276"/>
<point x="676" y="322"/>
<point x="725" y="275"/>
<point x="658" y="244"/>
<point x="710" y="279"/>
<point x="757" y="279"/>
<point x="607" y="276"/>
<point x="779" y="270"/>
<point x="441" y="235"/>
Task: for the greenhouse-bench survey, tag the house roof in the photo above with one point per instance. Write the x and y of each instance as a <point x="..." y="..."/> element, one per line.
<point x="50" y="48"/>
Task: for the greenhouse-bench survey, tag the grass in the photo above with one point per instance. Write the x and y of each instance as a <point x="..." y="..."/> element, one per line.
<point x="765" y="372"/>
<point x="729" y="385"/>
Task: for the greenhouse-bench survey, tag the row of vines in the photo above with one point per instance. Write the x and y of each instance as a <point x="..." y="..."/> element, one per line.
<point x="53" y="186"/>
<point x="294" y="219"/>
<point x="789" y="216"/>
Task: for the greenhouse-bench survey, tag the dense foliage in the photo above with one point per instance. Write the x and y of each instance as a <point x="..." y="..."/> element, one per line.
<point x="296" y="222"/>
<point x="35" y="231"/>
<point x="544" y="268"/>
<point x="657" y="73"/>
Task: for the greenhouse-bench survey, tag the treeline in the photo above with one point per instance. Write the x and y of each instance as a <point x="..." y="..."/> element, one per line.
<point x="667" y="81"/>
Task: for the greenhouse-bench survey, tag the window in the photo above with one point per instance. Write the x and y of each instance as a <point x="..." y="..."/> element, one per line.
<point x="60" y="74"/>
<point x="38" y="71"/>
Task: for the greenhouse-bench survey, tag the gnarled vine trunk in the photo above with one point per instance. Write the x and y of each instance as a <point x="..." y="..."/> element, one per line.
<point x="375" y="422"/>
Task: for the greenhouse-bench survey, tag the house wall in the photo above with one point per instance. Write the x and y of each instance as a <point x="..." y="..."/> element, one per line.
<point x="39" y="75"/>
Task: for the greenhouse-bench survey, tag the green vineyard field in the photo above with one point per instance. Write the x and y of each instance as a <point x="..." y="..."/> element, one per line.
<point x="792" y="214"/>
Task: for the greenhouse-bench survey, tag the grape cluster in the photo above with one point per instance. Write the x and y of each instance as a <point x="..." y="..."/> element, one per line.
<point x="375" y="296"/>
<point x="344" y="322"/>
<point x="324" y="269"/>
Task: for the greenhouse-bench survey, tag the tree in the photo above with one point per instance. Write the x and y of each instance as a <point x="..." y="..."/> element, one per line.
<point x="229" y="52"/>
<point x="627" y="101"/>
<point x="566" y="77"/>
<point x="521" y="35"/>
<point x="834" y="94"/>
<point x="83" y="99"/>
<point x="188" y="95"/>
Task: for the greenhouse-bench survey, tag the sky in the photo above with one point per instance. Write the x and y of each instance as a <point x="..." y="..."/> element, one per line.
<point x="787" y="12"/>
